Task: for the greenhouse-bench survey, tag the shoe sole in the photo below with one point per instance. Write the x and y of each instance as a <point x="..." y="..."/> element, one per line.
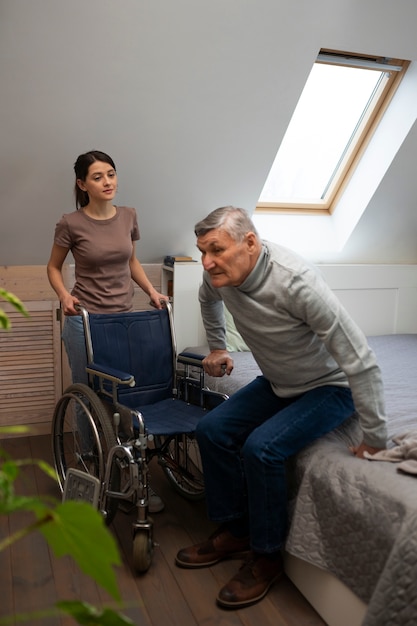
<point x="187" y="565"/>
<point x="243" y="603"/>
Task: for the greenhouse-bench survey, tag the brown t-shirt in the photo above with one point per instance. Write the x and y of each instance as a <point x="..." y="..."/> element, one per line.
<point x="101" y="251"/>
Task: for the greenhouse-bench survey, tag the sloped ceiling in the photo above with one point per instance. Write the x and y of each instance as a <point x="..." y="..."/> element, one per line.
<point x="191" y="98"/>
<point x="387" y="231"/>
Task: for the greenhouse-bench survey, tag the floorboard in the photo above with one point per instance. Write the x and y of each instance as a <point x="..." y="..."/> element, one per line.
<point x="6" y="605"/>
<point x="32" y="578"/>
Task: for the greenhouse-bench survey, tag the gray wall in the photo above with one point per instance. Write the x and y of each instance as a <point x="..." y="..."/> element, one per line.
<point x="191" y="98"/>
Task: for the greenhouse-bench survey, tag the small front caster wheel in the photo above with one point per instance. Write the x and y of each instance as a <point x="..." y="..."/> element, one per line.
<point x="142" y="551"/>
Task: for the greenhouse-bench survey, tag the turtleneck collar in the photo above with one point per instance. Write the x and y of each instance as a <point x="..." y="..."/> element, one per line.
<point x="256" y="276"/>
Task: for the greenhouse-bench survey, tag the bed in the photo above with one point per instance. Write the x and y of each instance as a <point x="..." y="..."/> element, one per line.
<point x="352" y="544"/>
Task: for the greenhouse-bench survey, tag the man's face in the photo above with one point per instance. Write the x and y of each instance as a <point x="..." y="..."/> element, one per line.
<point x="227" y="261"/>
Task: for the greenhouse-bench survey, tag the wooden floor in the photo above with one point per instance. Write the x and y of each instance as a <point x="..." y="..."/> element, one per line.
<point x="31" y="578"/>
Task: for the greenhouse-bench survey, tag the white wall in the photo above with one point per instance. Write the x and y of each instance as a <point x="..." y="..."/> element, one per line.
<point x="191" y="98"/>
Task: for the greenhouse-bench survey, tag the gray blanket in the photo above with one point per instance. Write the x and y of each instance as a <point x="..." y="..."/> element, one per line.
<point x="356" y="518"/>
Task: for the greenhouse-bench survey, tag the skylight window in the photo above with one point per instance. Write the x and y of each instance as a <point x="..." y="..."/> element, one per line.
<point x="339" y="108"/>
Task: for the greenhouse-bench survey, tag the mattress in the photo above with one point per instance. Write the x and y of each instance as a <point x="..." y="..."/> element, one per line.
<point x="353" y="517"/>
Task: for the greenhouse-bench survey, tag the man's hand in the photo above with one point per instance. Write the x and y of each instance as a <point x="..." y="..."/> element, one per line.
<point x="218" y="363"/>
<point x="363" y="447"/>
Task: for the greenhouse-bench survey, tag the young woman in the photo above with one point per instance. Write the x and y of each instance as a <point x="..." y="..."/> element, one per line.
<point x="101" y="237"/>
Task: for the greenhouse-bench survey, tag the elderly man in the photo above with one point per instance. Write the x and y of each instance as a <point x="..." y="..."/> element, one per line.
<point x="317" y="369"/>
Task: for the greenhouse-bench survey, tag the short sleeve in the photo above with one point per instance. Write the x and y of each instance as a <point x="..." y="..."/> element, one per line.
<point x="62" y="233"/>
<point x="135" y="227"/>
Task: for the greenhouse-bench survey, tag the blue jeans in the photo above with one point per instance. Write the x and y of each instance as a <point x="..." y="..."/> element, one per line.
<point x="74" y="342"/>
<point x="244" y="444"/>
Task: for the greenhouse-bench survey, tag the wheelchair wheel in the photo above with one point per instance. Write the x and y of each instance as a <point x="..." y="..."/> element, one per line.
<point x="180" y="460"/>
<point x="82" y="435"/>
<point x="142" y="551"/>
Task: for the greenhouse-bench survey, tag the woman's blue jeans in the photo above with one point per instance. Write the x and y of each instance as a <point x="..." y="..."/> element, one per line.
<point x="244" y="444"/>
<point x="74" y="342"/>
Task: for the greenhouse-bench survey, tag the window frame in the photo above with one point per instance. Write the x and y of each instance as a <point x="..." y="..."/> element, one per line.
<point x="361" y="137"/>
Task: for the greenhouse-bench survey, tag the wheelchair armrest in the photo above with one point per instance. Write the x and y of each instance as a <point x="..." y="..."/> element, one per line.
<point x="109" y="373"/>
<point x="191" y="358"/>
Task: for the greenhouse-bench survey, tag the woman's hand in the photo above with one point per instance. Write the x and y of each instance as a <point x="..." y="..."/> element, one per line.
<point x="157" y="299"/>
<point x="68" y="303"/>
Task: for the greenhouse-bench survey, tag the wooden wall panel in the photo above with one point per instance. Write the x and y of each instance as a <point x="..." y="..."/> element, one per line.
<point x="30" y="371"/>
<point x="28" y="282"/>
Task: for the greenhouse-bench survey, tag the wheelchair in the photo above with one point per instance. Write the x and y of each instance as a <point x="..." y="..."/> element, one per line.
<point x="142" y="401"/>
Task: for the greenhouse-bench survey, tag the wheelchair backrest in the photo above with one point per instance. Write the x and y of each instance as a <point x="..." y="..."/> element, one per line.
<point x="140" y="343"/>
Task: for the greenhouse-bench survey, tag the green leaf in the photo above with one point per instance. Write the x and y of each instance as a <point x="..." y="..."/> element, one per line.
<point x="46" y="468"/>
<point x="40" y="617"/>
<point x="10" y="503"/>
<point x="4" y="320"/>
<point x="14" y="300"/>
<point x="89" y="615"/>
<point x="13" y="429"/>
<point x="18" y="305"/>
<point x="82" y="612"/>
<point x="78" y="529"/>
<point x="10" y="469"/>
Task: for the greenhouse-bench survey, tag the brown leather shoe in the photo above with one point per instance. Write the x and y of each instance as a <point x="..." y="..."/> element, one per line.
<point x="219" y="546"/>
<point x="252" y="582"/>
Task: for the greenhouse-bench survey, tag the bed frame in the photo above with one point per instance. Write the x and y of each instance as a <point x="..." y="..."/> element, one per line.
<point x="331" y="598"/>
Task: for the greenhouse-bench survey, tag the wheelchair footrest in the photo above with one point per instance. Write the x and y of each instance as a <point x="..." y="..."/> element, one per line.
<point x="81" y="486"/>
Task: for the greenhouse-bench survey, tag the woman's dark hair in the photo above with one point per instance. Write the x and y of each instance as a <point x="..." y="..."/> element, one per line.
<point x="81" y="167"/>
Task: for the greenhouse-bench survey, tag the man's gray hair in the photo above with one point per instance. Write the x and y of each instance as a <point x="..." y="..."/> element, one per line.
<point x="236" y="222"/>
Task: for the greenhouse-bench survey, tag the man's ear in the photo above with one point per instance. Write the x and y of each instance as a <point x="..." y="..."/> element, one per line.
<point x="252" y="242"/>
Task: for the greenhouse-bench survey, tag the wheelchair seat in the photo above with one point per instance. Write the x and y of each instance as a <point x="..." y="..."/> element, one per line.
<point x="137" y="406"/>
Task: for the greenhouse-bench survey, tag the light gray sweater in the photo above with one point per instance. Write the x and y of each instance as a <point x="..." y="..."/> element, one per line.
<point x="299" y="333"/>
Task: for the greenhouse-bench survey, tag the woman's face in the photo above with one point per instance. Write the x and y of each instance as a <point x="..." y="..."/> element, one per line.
<point x="100" y="182"/>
